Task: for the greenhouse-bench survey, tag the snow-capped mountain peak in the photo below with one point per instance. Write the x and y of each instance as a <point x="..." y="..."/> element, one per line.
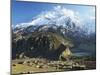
<point x="58" y="15"/>
<point x="57" y="19"/>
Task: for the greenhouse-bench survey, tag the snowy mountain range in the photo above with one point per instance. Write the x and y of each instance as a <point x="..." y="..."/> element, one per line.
<point x="58" y="19"/>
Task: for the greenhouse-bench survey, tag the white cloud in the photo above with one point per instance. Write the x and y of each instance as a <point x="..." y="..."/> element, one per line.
<point x="92" y="18"/>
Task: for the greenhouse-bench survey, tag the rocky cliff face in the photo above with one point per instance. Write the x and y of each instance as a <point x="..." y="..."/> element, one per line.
<point x="40" y="44"/>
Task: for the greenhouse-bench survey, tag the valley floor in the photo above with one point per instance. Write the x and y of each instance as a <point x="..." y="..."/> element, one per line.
<point x="37" y="65"/>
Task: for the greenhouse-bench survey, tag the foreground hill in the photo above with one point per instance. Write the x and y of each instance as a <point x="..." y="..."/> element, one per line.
<point x="41" y="44"/>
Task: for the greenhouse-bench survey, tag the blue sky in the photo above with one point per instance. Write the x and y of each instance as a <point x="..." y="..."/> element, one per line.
<point x="24" y="11"/>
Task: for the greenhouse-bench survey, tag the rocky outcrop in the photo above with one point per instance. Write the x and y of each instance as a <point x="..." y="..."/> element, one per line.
<point x="41" y="44"/>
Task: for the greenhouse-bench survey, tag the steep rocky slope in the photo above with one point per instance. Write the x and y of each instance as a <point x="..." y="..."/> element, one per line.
<point x="41" y="44"/>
